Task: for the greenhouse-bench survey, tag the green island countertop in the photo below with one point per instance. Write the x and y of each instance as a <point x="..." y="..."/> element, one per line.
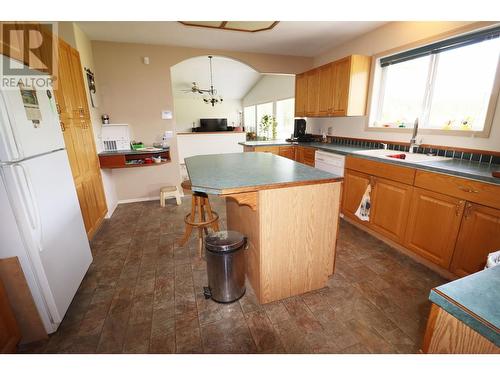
<point x="474" y="300"/>
<point x="250" y="171"/>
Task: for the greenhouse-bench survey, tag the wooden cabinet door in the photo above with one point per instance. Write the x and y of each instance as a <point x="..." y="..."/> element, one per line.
<point x="390" y="205"/>
<point x="325" y="89"/>
<point x="287" y="152"/>
<point x="64" y="88"/>
<point x="81" y="109"/>
<point x="312" y="108"/>
<point x="433" y="225"/>
<point x="340" y="89"/>
<point x="300" y="95"/>
<point x="479" y="235"/>
<point x="72" y="146"/>
<point x="9" y="330"/>
<point x="355" y="184"/>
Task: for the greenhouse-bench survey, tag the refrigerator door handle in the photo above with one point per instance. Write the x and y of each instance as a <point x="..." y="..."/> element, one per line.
<point x="9" y="134"/>
<point x="30" y="204"/>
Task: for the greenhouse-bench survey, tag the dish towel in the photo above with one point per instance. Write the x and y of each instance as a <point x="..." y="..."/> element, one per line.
<point x="363" y="211"/>
<point x="493" y="259"/>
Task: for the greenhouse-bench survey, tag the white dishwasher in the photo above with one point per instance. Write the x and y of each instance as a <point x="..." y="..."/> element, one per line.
<point x="329" y="162"/>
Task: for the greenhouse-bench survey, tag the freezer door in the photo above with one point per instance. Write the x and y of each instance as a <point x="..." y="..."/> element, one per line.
<point x="44" y="201"/>
<point x="20" y="137"/>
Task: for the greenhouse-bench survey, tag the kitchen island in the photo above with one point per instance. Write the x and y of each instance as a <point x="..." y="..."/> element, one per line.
<point x="288" y="211"/>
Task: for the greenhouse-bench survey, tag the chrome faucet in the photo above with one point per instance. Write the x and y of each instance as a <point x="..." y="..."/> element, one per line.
<point x="413" y="140"/>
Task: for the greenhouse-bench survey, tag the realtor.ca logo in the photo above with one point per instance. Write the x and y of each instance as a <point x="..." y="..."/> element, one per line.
<point x="28" y="55"/>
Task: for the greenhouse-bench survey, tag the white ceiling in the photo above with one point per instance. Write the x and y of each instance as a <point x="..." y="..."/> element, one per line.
<point x="232" y="79"/>
<point x="294" y="38"/>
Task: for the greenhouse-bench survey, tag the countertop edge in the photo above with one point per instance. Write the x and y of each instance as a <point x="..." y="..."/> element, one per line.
<point x="256" y="188"/>
<point x="465" y="316"/>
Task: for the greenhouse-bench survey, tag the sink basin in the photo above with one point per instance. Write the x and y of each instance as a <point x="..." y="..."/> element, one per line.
<point x="409" y="158"/>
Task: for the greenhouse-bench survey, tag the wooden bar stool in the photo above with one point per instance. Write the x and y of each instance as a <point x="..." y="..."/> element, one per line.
<point x="200" y="207"/>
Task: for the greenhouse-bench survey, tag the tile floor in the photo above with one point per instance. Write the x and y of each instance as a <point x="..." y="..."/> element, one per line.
<point x="143" y="294"/>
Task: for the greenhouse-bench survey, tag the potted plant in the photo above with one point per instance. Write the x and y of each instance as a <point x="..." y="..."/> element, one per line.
<point x="268" y="127"/>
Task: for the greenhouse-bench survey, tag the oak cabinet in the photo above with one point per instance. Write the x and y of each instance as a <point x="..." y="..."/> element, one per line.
<point x="390" y="204"/>
<point x="300" y="95"/>
<point x="325" y="89"/>
<point x="272" y="149"/>
<point x="305" y="155"/>
<point x="78" y="136"/>
<point x="312" y="107"/>
<point x="355" y="184"/>
<point x="287" y="152"/>
<point x="339" y="88"/>
<point x="479" y="235"/>
<point x="9" y="330"/>
<point x="433" y="225"/>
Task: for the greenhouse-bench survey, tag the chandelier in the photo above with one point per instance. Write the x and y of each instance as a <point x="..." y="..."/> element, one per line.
<point x="210" y="96"/>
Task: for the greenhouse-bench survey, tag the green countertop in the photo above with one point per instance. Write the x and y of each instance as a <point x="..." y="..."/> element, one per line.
<point x="249" y="171"/>
<point x="475" y="300"/>
<point x="462" y="168"/>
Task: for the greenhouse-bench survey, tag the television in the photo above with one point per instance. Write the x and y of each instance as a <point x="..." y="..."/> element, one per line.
<point x="212" y="125"/>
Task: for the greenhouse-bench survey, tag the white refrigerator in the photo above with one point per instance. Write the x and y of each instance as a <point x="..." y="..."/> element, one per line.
<point x="40" y="218"/>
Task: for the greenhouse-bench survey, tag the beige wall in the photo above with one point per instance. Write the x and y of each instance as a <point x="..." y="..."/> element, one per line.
<point x="135" y="93"/>
<point x="390" y="36"/>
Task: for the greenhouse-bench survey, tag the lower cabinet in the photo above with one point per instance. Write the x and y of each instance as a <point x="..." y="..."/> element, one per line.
<point x="287" y="152"/>
<point x="433" y="225"/>
<point x="355" y="184"/>
<point x="390" y="205"/>
<point x="479" y="235"/>
<point x="305" y="155"/>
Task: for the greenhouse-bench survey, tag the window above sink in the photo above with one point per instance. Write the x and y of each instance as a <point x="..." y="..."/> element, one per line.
<point x="451" y="85"/>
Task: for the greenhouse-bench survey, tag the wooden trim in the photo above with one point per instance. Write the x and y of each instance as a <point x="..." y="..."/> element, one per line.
<point x="441" y="36"/>
<point x="246" y="199"/>
<point x="248" y="189"/>
<point x="465" y="309"/>
<point x="446" y="334"/>
<point x="222" y="26"/>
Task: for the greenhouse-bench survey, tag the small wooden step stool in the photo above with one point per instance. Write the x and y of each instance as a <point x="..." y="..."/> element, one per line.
<point x="169" y="192"/>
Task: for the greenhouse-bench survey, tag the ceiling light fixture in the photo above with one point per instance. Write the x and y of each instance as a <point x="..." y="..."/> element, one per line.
<point x="246" y="26"/>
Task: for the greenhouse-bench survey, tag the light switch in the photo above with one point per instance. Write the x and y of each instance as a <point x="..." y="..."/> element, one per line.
<point x="166" y="115"/>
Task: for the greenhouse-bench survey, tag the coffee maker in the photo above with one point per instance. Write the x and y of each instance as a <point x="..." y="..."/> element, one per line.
<point x="299" y="132"/>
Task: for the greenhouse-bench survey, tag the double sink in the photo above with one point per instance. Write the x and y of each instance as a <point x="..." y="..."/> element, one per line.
<point x="404" y="157"/>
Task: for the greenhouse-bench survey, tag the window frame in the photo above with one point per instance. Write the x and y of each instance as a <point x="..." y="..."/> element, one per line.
<point x="377" y="81"/>
<point x="274" y="103"/>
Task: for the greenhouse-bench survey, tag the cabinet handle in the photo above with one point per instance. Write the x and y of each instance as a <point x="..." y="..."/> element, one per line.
<point x="63" y="128"/>
<point x="468" y="210"/>
<point x="458" y="207"/>
<point x="58" y="107"/>
<point x="468" y="189"/>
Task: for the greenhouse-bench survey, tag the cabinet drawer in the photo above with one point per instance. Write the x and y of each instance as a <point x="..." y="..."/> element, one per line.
<point x="390" y="171"/>
<point x="287" y="152"/>
<point x="271" y="149"/>
<point x="472" y="191"/>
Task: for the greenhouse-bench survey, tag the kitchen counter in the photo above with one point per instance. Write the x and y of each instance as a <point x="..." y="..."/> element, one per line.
<point x="455" y="167"/>
<point x="287" y="210"/>
<point x="243" y="172"/>
<point x="474" y="300"/>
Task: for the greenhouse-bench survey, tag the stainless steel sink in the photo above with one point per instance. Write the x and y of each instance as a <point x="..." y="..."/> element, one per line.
<point x="409" y="158"/>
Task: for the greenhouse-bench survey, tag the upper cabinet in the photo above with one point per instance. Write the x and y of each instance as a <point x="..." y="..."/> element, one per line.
<point x="339" y="88"/>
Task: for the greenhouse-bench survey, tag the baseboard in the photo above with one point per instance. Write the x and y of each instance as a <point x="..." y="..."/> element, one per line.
<point x="134" y="200"/>
<point x="111" y="210"/>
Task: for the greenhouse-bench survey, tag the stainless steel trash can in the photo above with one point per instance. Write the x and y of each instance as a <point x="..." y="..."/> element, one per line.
<point x="225" y="266"/>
